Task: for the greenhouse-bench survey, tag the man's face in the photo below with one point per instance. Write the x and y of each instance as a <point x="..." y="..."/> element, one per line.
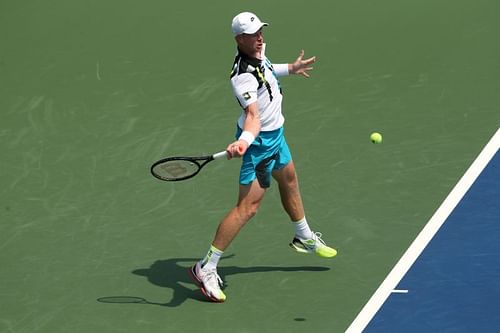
<point x="251" y="44"/>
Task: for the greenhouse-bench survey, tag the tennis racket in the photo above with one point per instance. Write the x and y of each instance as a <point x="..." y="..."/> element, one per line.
<point x="181" y="168"/>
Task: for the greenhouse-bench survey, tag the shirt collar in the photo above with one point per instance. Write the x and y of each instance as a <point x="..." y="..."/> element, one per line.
<point x="249" y="59"/>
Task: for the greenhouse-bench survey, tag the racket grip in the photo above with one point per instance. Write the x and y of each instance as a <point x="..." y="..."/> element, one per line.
<point x="219" y="155"/>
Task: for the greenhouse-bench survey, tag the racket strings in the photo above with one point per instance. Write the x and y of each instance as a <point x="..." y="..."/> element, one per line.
<point x="176" y="169"/>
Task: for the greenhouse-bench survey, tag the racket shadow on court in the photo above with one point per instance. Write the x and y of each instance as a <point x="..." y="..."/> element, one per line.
<point x="171" y="274"/>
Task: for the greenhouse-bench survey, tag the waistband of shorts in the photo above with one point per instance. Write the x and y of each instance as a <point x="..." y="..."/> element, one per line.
<point x="264" y="134"/>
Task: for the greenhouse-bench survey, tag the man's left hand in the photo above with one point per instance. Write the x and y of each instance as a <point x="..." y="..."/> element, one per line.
<point x="301" y="66"/>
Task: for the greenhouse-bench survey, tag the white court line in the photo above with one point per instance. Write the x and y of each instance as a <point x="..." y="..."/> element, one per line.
<point x="400" y="291"/>
<point x="425" y="236"/>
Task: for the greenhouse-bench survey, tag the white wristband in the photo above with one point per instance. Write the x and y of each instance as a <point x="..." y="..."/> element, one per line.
<point x="247" y="136"/>
<point x="281" y="69"/>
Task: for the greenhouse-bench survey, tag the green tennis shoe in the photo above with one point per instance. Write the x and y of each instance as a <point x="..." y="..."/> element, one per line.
<point x="313" y="245"/>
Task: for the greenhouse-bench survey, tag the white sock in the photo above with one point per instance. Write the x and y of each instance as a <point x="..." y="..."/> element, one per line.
<point x="302" y="229"/>
<point x="212" y="258"/>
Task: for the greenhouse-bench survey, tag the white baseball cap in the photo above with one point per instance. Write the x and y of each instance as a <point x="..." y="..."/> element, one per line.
<point x="246" y="23"/>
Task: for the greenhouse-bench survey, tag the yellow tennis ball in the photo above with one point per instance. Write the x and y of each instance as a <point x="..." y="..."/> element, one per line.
<point x="376" y="137"/>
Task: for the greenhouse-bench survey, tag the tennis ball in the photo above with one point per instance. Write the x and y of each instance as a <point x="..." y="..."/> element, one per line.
<point x="376" y="137"/>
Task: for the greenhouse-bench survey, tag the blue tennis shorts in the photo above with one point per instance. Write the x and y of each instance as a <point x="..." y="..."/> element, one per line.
<point x="268" y="152"/>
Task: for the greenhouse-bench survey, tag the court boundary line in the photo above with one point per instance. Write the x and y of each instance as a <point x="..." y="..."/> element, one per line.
<point x="425" y="236"/>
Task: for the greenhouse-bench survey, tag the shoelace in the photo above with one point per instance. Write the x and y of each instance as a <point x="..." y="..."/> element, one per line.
<point x="209" y="277"/>
<point x="318" y="236"/>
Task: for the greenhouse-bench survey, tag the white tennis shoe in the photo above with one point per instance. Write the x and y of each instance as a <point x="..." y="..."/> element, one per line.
<point x="209" y="282"/>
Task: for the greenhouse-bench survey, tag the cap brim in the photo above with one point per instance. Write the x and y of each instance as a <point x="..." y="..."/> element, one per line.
<point x="252" y="32"/>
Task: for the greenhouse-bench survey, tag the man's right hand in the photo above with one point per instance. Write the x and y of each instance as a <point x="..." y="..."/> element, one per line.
<point x="236" y="149"/>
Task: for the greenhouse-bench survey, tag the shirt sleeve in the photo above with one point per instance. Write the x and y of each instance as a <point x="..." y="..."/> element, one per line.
<point x="281" y="69"/>
<point x="245" y="89"/>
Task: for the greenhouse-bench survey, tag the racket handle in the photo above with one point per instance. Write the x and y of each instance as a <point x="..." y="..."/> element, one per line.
<point x="224" y="154"/>
<point x="219" y="155"/>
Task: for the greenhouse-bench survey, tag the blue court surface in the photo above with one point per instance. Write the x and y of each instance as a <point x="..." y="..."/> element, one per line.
<point x="449" y="278"/>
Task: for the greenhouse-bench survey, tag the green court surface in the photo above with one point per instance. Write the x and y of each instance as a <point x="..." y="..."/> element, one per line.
<point x="93" y="92"/>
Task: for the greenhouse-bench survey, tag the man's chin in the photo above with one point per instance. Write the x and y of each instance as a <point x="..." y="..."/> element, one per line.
<point x="258" y="51"/>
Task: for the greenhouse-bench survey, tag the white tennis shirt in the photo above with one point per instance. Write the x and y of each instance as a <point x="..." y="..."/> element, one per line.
<point x="255" y="80"/>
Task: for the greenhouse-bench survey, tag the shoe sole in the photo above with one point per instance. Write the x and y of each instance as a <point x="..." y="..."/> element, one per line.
<point x="302" y="250"/>
<point x="200" y="285"/>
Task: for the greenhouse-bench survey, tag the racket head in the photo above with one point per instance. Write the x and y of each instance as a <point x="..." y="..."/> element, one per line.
<point x="175" y="168"/>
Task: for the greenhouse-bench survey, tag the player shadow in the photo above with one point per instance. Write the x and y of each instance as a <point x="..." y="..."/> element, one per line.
<point x="170" y="274"/>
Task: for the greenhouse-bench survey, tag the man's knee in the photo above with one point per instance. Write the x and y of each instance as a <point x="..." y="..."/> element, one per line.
<point x="248" y="209"/>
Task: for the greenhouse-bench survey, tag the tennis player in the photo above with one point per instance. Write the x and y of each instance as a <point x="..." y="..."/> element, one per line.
<point x="262" y="145"/>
